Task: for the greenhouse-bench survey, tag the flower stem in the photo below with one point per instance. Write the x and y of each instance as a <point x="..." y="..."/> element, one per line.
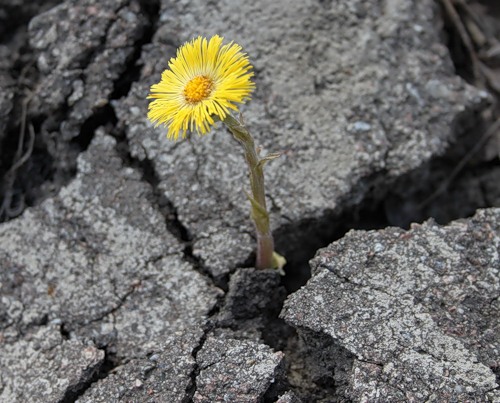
<point x="266" y="257"/>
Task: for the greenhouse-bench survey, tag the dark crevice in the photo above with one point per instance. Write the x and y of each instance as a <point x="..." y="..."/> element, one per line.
<point x="65" y="333"/>
<point x="18" y="69"/>
<point x="208" y="327"/>
<point x="101" y="117"/>
<point x="278" y="387"/>
<point x="413" y="197"/>
<point x="41" y="176"/>
<point x="315" y="233"/>
<point x="15" y="17"/>
<point x="318" y="368"/>
<point x="191" y="389"/>
<point x="458" y="51"/>
<point x="470" y="33"/>
<point x="19" y="187"/>
<point x="150" y="9"/>
<point x="496" y="371"/>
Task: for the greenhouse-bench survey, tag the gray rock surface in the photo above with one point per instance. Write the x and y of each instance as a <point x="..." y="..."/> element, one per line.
<point x="225" y="369"/>
<point x="355" y="94"/>
<point x="101" y="302"/>
<point x="81" y="50"/>
<point x="44" y="367"/>
<point x="80" y="66"/>
<point x="288" y="397"/>
<point x="99" y="262"/>
<point x="162" y="377"/>
<point x="416" y="310"/>
<point x="236" y="371"/>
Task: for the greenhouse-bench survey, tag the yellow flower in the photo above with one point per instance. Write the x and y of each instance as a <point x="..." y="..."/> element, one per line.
<point x="204" y="80"/>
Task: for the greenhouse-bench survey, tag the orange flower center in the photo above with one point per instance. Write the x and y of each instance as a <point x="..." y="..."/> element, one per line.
<point x="198" y="89"/>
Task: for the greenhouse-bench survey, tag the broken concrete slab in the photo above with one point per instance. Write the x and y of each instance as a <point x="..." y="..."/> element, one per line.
<point x="99" y="262"/>
<point x="355" y="94"/>
<point x="169" y="298"/>
<point x="79" y="255"/>
<point x="416" y="310"/>
<point x="80" y="67"/>
<point x="75" y="58"/>
<point x="237" y="370"/>
<point x="225" y="368"/>
<point x="44" y="367"/>
<point x="164" y="376"/>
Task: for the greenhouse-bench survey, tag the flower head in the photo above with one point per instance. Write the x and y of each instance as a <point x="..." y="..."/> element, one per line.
<point x="204" y="80"/>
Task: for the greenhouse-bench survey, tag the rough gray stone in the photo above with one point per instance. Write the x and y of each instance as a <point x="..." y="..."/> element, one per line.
<point x="163" y="377"/>
<point x="236" y="370"/>
<point x="86" y="236"/>
<point x="418" y="310"/>
<point x="80" y="66"/>
<point x="43" y="367"/>
<point x="98" y="261"/>
<point x="288" y="397"/>
<point x="170" y="297"/>
<point x="81" y="50"/>
<point x="355" y="94"/>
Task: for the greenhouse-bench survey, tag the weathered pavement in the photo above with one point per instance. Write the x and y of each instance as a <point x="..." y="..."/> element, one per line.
<point x="354" y="94"/>
<point x="126" y="284"/>
<point x="414" y="313"/>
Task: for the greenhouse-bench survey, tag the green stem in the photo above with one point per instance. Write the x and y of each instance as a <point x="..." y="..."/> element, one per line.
<point x="265" y="243"/>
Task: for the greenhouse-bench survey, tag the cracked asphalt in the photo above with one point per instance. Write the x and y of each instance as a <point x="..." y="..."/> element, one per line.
<point x="127" y="277"/>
